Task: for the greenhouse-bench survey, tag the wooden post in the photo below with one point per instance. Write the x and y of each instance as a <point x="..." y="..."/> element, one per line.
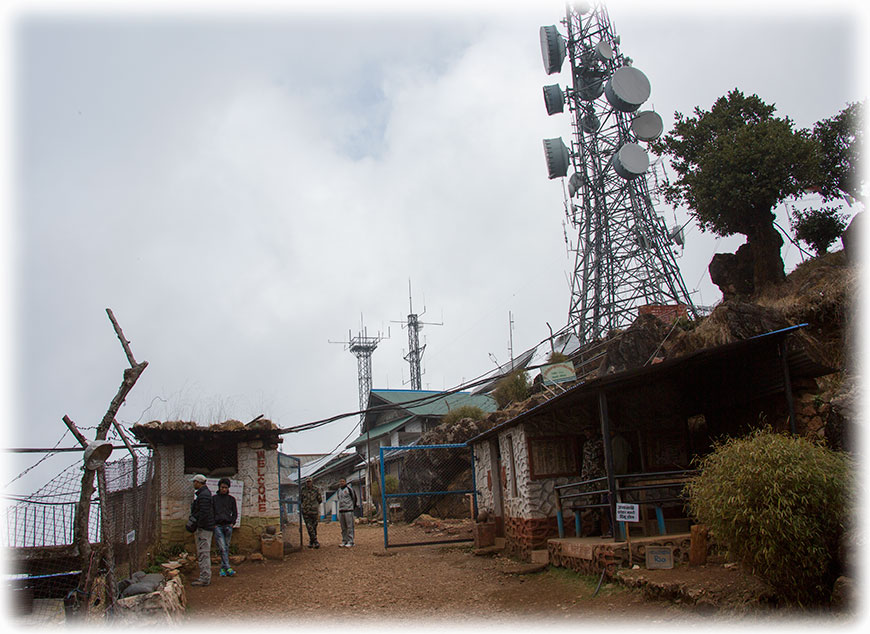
<point x="698" y="545"/>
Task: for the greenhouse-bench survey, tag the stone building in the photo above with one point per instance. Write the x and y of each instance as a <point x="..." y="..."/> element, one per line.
<point x="666" y="413"/>
<point x="247" y="454"/>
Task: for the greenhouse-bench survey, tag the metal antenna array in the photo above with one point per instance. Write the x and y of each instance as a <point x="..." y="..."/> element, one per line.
<point x="623" y="258"/>
<point x="362" y="346"/>
<point x="415" y="350"/>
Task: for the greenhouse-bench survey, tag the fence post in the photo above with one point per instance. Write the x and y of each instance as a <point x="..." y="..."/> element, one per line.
<point x="385" y="512"/>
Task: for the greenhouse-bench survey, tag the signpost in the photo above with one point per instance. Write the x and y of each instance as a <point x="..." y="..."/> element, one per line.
<point x="627" y="513"/>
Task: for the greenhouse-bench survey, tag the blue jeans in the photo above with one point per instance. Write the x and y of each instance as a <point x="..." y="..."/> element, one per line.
<point x="222" y="536"/>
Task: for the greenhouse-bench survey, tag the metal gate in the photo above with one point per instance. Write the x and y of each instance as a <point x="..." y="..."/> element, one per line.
<point x="428" y="494"/>
<point x="289" y="489"/>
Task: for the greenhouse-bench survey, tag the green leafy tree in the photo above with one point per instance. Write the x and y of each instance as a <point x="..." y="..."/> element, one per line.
<point x="819" y="227"/>
<point x="840" y="159"/>
<point x="735" y="163"/>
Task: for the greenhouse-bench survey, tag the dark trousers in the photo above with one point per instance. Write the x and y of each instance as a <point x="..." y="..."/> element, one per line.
<point x="311" y="526"/>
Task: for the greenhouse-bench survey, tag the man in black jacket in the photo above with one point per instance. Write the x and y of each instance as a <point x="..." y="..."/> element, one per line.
<point x="225" y="513"/>
<point x="202" y="509"/>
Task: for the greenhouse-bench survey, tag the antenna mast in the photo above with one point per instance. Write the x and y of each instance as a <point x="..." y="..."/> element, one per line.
<point x="623" y="257"/>
<point x="362" y="346"/>
<point x="415" y="350"/>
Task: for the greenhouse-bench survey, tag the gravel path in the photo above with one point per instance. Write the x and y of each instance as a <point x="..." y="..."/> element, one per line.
<point x="369" y="585"/>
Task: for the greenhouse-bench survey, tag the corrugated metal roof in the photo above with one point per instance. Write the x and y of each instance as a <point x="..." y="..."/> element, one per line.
<point x="432" y="403"/>
<point x="380" y="430"/>
<point x="751" y="368"/>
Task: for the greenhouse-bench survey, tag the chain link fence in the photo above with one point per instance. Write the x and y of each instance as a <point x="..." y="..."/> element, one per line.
<point x="289" y="489"/>
<point x="44" y="567"/>
<point x="428" y="494"/>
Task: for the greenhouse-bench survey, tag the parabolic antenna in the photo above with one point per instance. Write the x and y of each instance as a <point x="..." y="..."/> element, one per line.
<point x="630" y="161"/>
<point x="557" y="158"/>
<point x="554" y="99"/>
<point x="589" y="84"/>
<point x="603" y="51"/>
<point x="574" y="184"/>
<point x="96" y="454"/>
<point x="627" y="89"/>
<point x="590" y="123"/>
<point x="647" y="125"/>
<point x="552" y="49"/>
<point x="582" y="7"/>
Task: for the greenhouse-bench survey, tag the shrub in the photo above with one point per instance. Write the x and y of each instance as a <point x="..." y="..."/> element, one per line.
<point x="557" y="357"/>
<point x="780" y="505"/>
<point x="512" y="388"/>
<point x="391" y="482"/>
<point x="465" y="411"/>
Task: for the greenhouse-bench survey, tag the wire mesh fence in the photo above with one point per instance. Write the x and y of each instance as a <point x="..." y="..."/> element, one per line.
<point x="289" y="490"/>
<point x="44" y="560"/>
<point x="428" y="493"/>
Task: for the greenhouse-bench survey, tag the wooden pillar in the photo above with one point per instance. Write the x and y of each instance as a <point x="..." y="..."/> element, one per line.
<point x="786" y="378"/>
<point x="698" y="545"/>
<point x="608" y="460"/>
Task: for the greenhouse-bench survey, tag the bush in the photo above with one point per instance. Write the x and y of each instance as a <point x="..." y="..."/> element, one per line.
<point x="557" y="357"/>
<point x="513" y="388"/>
<point x="391" y="482"/>
<point x="465" y="411"/>
<point x="819" y="228"/>
<point x="780" y="505"/>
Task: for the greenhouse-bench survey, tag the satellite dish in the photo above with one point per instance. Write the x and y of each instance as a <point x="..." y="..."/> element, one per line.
<point x="677" y="237"/>
<point x="630" y="161"/>
<point x="627" y="89"/>
<point x="552" y="49"/>
<point x="647" y="125"/>
<point x="582" y="7"/>
<point x="574" y="184"/>
<point x="589" y="84"/>
<point x="96" y="454"/>
<point x="554" y="99"/>
<point x="603" y="51"/>
<point x="557" y="156"/>
<point x="590" y="123"/>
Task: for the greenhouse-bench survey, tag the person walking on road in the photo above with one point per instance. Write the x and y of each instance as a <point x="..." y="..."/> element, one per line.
<point x="203" y="511"/>
<point x="345" y="498"/>
<point x="226" y="511"/>
<point x="310" y="504"/>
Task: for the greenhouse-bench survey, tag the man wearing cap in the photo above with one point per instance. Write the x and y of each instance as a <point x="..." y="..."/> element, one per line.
<point x="345" y="498"/>
<point x="203" y="510"/>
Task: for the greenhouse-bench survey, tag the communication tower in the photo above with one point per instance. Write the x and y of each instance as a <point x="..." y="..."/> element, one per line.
<point x="415" y="350"/>
<point x="362" y="346"/>
<point x="623" y="256"/>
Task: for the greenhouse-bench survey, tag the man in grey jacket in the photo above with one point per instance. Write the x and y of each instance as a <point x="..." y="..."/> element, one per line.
<point x="345" y="498"/>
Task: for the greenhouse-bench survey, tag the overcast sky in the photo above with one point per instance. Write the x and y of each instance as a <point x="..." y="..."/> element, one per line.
<point x="242" y="187"/>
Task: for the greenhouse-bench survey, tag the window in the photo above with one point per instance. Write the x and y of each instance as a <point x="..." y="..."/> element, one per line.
<point x="554" y="456"/>
<point x="210" y="456"/>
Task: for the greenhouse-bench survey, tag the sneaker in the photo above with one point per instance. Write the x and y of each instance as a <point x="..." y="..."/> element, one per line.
<point x="317" y="544"/>
<point x="197" y="582"/>
<point x="230" y="572"/>
<point x="223" y="573"/>
<point x="311" y="545"/>
<point x="342" y="545"/>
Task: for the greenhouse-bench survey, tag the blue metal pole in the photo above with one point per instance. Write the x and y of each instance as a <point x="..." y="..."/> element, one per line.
<point x="560" y="523"/>
<point x="384" y="511"/>
<point x="473" y="482"/>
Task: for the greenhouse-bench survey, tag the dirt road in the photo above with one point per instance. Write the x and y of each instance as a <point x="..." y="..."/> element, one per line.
<point x="369" y="585"/>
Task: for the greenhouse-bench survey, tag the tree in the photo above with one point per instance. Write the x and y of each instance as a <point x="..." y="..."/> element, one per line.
<point x="819" y="227"/>
<point x="735" y="163"/>
<point x="840" y="158"/>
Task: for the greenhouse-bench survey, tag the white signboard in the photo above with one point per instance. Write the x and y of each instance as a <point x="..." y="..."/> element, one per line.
<point x="627" y="512"/>
<point x="131" y="536"/>
<point x="558" y="372"/>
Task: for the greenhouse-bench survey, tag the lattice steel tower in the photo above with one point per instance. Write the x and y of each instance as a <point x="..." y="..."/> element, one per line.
<point x="623" y="255"/>
<point x="362" y="346"/>
<point x="415" y="350"/>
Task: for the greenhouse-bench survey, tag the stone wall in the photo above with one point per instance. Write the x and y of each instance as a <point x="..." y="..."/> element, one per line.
<point x="259" y="507"/>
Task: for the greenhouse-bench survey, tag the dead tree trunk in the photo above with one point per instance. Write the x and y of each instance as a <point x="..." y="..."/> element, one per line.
<point x="83" y="509"/>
